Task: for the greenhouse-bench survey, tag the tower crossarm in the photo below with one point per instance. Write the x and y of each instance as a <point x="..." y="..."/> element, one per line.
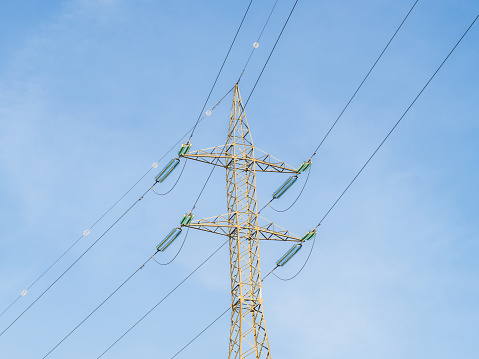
<point x="219" y="157"/>
<point x="225" y="225"/>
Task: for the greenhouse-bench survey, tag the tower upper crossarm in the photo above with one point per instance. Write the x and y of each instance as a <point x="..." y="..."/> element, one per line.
<point x="219" y="157"/>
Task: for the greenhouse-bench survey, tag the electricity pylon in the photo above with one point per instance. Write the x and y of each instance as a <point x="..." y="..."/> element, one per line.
<point x="244" y="227"/>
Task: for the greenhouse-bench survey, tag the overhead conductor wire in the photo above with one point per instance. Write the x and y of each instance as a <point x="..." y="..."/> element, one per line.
<point x="221" y="69"/>
<point x="76" y="261"/>
<point x="347" y="105"/>
<point x="104" y="301"/>
<point x="377" y="149"/>
<point x="86" y="232"/>
<point x="162" y="300"/>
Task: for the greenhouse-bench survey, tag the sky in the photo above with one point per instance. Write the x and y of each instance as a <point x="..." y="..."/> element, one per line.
<point x="93" y="92"/>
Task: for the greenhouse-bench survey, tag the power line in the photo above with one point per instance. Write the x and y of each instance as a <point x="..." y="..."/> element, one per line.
<point x="74" y="243"/>
<point x="256" y="44"/>
<point x="348" y="103"/>
<point x="161" y="301"/>
<point x="271" y="53"/>
<point x="365" y="78"/>
<point x="81" y="256"/>
<point x="221" y="69"/>
<point x="94" y="310"/>
<point x="380" y="145"/>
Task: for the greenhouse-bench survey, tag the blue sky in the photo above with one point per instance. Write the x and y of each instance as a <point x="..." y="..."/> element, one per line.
<point x="93" y="92"/>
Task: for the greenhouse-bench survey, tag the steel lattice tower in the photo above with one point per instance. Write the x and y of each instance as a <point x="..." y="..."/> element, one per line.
<point x="244" y="227"/>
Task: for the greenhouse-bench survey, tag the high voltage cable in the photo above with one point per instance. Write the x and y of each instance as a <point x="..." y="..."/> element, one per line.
<point x="81" y="256"/>
<point x="104" y="301"/>
<point x="271" y="53"/>
<point x="365" y="78"/>
<point x="380" y="145"/>
<point x="166" y="296"/>
<point x="255" y="46"/>
<point x="221" y="69"/>
<point x="74" y="243"/>
<point x="347" y="105"/>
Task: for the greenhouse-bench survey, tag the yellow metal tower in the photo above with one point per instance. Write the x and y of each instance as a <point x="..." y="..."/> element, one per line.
<point x="244" y="227"/>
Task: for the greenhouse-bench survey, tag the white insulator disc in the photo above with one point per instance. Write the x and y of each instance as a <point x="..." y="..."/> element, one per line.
<point x="154" y="165"/>
<point x="208" y="113"/>
<point x="24" y="293"/>
<point x="86" y="233"/>
<point x="256" y="45"/>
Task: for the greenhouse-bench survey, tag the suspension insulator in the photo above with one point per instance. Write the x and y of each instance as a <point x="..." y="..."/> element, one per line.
<point x="284" y="187"/>
<point x="165" y="172"/>
<point x="288" y="255"/>
<point x="185" y="148"/>
<point x="165" y="243"/>
<point x="186" y="220"/>
<point x="304" y="166"/>
<point x="308" y="236"/>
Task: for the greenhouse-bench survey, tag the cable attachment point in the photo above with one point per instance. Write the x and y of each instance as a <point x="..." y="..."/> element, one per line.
<point x="86" y="233"/>
<point x="24" y="293"/>
<point x="208" y="113"/>
<point x="154" y="165"/>
<point x="256" y="45"/>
